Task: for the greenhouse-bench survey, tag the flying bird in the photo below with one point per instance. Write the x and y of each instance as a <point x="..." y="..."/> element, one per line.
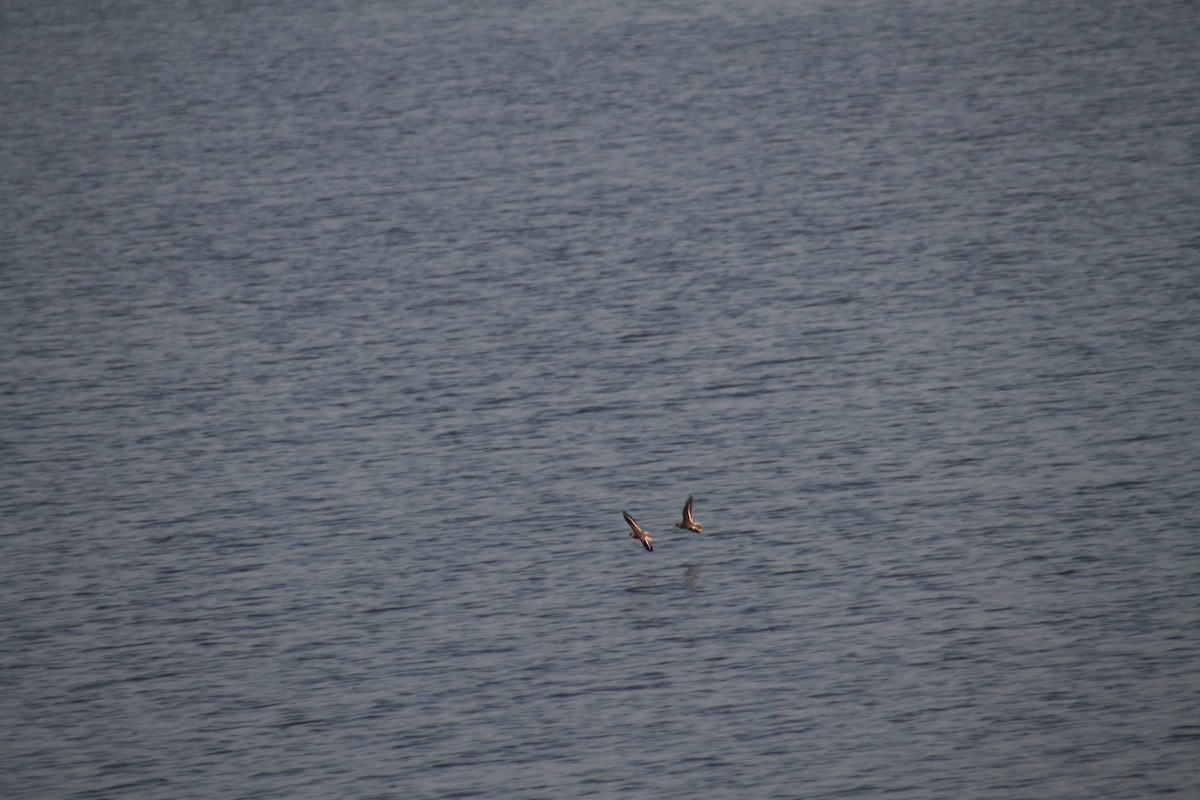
<point x="687" y="523"/>
<point x="636" y="532"/>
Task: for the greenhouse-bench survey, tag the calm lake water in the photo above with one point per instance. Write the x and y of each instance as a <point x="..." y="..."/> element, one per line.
<point x="335" y="337"/>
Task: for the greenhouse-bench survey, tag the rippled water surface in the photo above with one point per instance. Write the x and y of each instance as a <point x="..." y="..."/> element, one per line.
<point x="336" y="336"/>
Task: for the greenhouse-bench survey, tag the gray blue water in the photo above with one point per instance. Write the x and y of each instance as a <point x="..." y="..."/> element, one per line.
<point x="335" y="337"/>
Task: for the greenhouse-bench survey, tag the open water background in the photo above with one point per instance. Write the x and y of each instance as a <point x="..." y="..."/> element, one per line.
<point x="335" y="337"/>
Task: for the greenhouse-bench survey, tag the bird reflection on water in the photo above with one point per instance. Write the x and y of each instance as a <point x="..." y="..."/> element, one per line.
<point x="644" y="582"/>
